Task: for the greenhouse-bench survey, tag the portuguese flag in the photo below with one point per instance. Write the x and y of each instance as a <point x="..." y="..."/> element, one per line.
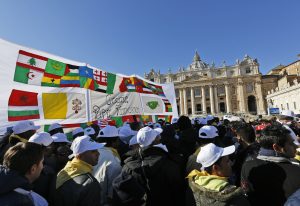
<point x="22" y="105"/>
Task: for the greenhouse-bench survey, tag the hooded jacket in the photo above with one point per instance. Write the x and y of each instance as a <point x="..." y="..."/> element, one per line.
<point x="9" y="181"/>
<point x="159" y="175"/>
<point x="216" y="191"/>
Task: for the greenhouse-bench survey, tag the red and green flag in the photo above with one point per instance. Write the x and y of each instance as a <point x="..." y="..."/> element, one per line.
<point x="22" y="105"/>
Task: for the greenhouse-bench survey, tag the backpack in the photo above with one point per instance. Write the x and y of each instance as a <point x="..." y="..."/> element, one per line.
<point x="131" y="188"/>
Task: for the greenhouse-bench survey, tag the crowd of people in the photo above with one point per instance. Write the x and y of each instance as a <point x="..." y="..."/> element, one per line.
<point x="203" y="161"/>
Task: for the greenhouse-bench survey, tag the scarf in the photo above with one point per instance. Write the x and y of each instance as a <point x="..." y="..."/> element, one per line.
<point x="17" y="137"/>
<point x="72" y="169"/>
<point x="211" y="182"/>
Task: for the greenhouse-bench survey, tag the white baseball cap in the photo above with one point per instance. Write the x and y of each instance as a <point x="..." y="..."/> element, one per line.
<point x="209" y="117"/>
<point x="109" y="131"/>
<point x="89" y="131"/>
<point x="42" y="138"/>
<point x="83" y="144"/>
<point x="126" y="131"/>
<point x="150" y="124"/>
<point x="146" y="136"/>
<point x="208" y="132"/>
<point x="54" y="126"/>
<point x="174" y="120"/>
<point x="133" y="140"/>
<point x="156" y="125"/>
<point x="159" y="130"/>
<point x="60" y="137"/>
<point x="210" y="153"/>
<point x="24" y="126"/>
<point x="77" y="130"/>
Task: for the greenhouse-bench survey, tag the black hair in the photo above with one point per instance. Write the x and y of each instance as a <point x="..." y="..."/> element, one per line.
<point x="246" y="133"/>
<point x="184" y="123"/>
<point x="274" y="134"/>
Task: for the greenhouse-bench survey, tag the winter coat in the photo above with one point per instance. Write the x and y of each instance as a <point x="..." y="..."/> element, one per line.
<point x="230" y="195"/>
<point x="9" y="181"/>
<point x="108" y="167"/>
<point x="81" y="190"/>
<point x="270" y="180"/>
<point x="159" y="175"/>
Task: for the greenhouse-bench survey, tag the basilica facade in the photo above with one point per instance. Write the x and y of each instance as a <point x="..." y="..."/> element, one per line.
<point x="203" y="88"/>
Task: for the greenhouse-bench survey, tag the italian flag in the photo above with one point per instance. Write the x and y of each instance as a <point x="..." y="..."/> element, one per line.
<point x="30" y="68"/>
<point x="22" y="105"/>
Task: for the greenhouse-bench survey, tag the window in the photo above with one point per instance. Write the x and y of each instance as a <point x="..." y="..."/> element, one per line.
<point x="295" y="106"/>
<point x="287" y="106"/>
<point x="248" y="70"/>
<point x="249" y="87"/>
<point x="281" y="107"/>
<point x="198" y="107"/>
<point x="177" y="93"/>
<point x="221" y="90"/>
<point x="197" y="92"/>
<point x="207" y="92"/>
<point x="233" y="90"/>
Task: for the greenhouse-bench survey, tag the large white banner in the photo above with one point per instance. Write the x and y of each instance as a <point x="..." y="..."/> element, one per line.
<point x="47" y="88"/>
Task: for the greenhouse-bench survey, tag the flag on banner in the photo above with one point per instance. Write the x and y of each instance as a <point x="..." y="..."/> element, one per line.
<point x="71" y="77"/>
<point x="128" y="84"/>
<point x="64" y="105"/>
<point x="146" y="118"/>
<point x="55" y="67"/>
<point x="113" y="83"/>
<point x="168" y="106"/>
<point x="118" y="121"/>
<point x="84" y="71"/>
<point x="22" y="105"/>
<point x="100" y="78"/>
<point x="51" y="80"/>
<point x="29" y="68"/>
<point x="128" y="118"/>
<point x="88" y="83"/>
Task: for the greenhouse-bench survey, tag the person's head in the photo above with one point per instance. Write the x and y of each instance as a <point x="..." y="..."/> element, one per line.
<point x="55" y="128"/>
<point x="284" y="119"/>
<point x="276" y="137"/>
<point x="135" y="126"/>
<point x="25" y="129"/>
<point x="85" y="149"/>
<point x="44" y="139"/>
<point x="184" y="123"/>
<point x="25" y="158"/>
<point x="215" y="160"/>
<point x="207" y="134"/>
<point x="89" y="131"/>
<point x="245" y="134"/>
<point x="77" y="132"/>
<point x="110" y="136"/>
<point x="96" y="129"/>
<point x="148" y="136"/>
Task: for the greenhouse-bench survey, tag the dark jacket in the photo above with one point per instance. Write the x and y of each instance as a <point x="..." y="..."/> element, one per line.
<point x="243" y="155"/>
<point x="269" y="180"/>
<point x="160" y="176"/>
<point x="45" y="184"/>
<point x="82" y="190"/>
<point x="192" y="164"/>
<point x="230" y="195"/>
<point x="187" y="141"/>
<point x="10" y="180"/>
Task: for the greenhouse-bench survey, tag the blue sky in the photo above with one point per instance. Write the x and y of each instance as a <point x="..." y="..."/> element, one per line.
<point x="133" y="36"/>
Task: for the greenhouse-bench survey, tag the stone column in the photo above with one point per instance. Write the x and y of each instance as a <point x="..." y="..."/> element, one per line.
<point x="193" y="100"/>
<point x="241" y="95"/>
<point x="211" y="99"/>
<point x="181" y="101"/>
<point x="260" y="98"/>
<point x="203" y="100"/>
<point x="228" y="99"/>
<point x="216" y="99"/>
<point x="184" y="102"/>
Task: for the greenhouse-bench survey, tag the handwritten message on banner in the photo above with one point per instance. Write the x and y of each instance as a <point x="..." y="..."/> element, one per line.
<point x="118" y="104"/>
